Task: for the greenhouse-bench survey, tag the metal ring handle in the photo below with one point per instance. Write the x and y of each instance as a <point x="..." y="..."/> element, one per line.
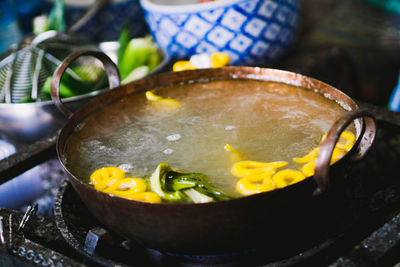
<point x="111" y="69"/>
<point x="321" y="174"/>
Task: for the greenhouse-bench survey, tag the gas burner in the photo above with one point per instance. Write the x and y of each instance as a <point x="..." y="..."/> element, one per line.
<point x="91" y="239"/>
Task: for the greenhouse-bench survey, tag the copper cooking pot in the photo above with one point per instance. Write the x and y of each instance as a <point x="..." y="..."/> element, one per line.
<point x="267" y="218"/>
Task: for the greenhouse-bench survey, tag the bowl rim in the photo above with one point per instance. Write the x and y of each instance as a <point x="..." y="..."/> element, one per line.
<point x="185" y="8"/>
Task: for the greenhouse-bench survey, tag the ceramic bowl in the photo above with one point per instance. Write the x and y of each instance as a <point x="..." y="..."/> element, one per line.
<point x="251" y="32"/>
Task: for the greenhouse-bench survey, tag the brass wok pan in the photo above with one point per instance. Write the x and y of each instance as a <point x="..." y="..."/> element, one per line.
<point x="269" y="218"/>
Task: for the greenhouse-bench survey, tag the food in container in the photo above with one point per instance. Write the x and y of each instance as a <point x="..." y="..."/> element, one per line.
<point x="221" y="226"/>
<point x="273" y="125"/>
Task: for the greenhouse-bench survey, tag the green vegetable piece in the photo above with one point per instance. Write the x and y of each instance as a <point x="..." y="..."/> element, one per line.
<point x="56" y="16"/>
<point x="154" y="60"/>
<point x="201" y="182"/>
<point x="172" y="185"/>
<point x="65" y="91"/>
<point x="137" y="53"/>
<point x="88" y="78"/>
<point x="89" y="73"/>
<point x="40" y="24"/>
<point x="182" y="184"/>
<point x="194" y="176"/>
<point x="123" y="41"/>
<point x="27" y="99"/>
<point x="157" y="184"/>
<point x="72" y="84"/>
<point x="198" y="197"/>
<point x="198" y="181"/>
<point x="212" y="192"/>
<point x="136" y="74"/>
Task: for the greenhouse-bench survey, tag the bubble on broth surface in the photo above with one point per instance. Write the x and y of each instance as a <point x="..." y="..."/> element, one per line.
<point x="168" y="151"/>
<point x="230" y="127"/>
<point x="173" y="137"/>
<point x="126" y="167"/>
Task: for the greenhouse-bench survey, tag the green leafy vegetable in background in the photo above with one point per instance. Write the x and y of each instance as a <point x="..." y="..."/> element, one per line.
<point x="76" y="81"/>
<point x="136" y="56"/>
<point x="136" y="74"/>
<point x="54" y="21"/>
<point x="65" y="90"/>
<point x="154" y="60"/>
<point x="56" y="16"/>
<point x="123" y="41"/>
<point x="88" y="74"/>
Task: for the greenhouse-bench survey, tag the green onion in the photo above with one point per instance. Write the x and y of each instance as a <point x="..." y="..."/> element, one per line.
<point x="157" y="184"/>
<point x="136" y="74"/>
<point x="123" y="41"/>
<point x="56" y="17"/>
<point x="137" y="53"/>
<point x="172" y="185"/>
<point x="198" y="197"/>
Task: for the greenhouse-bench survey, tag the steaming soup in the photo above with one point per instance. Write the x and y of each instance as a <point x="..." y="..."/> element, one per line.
<point x="261" y="121"/>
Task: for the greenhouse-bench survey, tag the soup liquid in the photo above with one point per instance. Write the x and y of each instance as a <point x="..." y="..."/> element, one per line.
<point x="265" y="121"/>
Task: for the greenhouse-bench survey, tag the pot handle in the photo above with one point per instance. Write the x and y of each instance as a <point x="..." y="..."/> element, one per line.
<point x="111" y="69"/>
<point x="321" y="173"/>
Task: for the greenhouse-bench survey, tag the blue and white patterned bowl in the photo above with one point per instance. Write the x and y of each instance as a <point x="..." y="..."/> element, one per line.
<point x="251" y="32"/>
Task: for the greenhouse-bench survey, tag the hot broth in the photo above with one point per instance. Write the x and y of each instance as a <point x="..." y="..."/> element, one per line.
<point x="265" y="121"/>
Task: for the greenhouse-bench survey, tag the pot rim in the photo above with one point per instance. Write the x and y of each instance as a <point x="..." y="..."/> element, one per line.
<point x="239" y="73"/>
